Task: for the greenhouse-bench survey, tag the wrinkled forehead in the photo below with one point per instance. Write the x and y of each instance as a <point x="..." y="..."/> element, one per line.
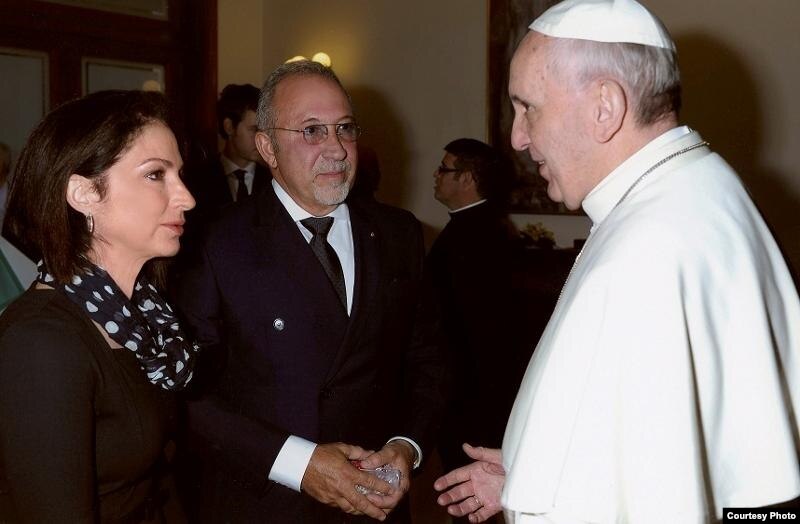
<point x="529" y="62"/>
<point x="531" y="51"/>
<point x="304" y="93"/>
<point x="534" y="46"/>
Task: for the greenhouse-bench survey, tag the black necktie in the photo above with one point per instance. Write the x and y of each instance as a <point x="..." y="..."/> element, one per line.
<point x="241" y="191"/>
<point x="319" y="228"/>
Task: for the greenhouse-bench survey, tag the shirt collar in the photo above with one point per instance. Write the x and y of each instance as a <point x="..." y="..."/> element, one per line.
<point x="298" y="213"/>
<point x="479" y="202"/>
<point x="229" y="167"/>
<point x="605" y="195"/>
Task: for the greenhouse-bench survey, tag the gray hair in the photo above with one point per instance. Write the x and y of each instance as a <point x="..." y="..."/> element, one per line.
<point x="649" y="74"/>
<point x="267" y="114"/>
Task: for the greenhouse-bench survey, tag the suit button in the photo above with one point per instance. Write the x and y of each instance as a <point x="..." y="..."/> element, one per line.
<point x="326" y="394"/>
<point x="278" y="324"/>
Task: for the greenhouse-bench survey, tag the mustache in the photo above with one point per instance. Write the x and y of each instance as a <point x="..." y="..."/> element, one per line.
<point x="332" y="166"/>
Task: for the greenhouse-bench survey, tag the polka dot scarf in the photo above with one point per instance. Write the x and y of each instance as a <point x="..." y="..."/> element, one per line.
<point x="145" y="324"/>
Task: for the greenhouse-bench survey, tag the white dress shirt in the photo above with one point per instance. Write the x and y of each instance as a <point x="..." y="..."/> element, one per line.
<point x="233" y="183"/>
<point x="340" y="236"/>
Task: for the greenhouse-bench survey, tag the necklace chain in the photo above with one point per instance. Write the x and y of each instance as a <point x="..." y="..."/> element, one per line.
<point x="656" y="166"/>
<point x="623" y="197"/>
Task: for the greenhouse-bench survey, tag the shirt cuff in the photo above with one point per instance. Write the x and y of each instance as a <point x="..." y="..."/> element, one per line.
<point x="291" y="462"/>
<point x="417" y="449"/>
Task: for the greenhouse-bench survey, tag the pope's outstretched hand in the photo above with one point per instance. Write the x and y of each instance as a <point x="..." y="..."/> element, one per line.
<point x="474" y="490"/>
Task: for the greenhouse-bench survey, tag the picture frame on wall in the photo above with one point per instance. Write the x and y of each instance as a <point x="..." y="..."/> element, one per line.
<point x="508" y="24"/>
<point x="99" y="74"/>
<point x="24" y="94"/>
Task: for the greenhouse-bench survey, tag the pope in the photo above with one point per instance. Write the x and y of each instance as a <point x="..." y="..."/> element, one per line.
<point x="665" y="385"/>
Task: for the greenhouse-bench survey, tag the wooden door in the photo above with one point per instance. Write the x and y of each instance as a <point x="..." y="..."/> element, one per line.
<point x="179" y="44"/>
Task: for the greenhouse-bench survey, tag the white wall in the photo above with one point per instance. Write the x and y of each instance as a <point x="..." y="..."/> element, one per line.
<point x="240" y="42"/>
<point x="741" y="71"/>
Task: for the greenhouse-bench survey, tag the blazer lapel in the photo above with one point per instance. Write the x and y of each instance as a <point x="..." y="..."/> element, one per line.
<point x="367" y="262"/>
<point x="365" y="288"/>
<point x="277" y="237"/>
<point x="260" y="180"/>
<point x="218" y="189"/>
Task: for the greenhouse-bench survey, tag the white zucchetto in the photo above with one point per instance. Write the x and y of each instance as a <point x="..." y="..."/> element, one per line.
<point x="604" y="21"/>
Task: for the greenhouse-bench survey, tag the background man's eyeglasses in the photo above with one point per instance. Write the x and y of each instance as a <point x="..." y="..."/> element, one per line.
<point x="316" y="134"/>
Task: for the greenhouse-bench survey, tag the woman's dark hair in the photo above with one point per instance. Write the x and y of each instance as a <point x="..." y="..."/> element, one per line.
<point x="85" y="137"/>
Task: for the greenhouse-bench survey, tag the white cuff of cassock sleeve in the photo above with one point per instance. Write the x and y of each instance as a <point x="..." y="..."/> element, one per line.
<point x="417" y="449"/>
<point x="292" y="461"/>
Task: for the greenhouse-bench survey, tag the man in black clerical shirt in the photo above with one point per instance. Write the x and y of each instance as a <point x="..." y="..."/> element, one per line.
<point x="473" y="265"/>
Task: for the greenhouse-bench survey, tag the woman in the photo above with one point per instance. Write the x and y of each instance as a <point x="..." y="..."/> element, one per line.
<point x="91" y="353"/>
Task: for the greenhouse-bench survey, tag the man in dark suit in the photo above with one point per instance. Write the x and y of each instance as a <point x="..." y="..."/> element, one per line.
<point x="237" y="171"/>
<point x="219" y="180"/>
<point x="474" y="265"/>
<point x="310" y="310"/>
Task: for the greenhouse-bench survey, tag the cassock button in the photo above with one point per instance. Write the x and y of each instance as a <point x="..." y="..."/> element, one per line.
<point x="278" y="324"/>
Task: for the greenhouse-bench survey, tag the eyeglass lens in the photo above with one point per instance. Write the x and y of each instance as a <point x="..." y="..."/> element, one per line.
<point x="318" y="133"/>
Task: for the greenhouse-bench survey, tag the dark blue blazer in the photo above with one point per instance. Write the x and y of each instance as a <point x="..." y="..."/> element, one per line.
<point x="281" y="356"/>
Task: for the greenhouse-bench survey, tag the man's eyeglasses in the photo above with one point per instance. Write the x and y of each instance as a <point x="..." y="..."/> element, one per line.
<point x="316" y="134"/>
<point x="443" y="170"/>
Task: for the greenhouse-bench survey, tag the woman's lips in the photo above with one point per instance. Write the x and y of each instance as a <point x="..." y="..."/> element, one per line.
<point x="176" y="227"/>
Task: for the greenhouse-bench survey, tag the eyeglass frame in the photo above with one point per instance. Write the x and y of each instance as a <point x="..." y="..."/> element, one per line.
<point x="337" y="128"/>
<point x="442" y="170"/>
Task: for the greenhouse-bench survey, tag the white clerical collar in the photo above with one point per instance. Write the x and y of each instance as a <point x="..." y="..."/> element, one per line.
<point x="228" y="166"/>
<point x="298" y="213"/>
<point x="605" y="195"/>
<point x="479" y="202"/>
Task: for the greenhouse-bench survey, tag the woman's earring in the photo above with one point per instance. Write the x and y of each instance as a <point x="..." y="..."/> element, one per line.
<point x="90" y="223"/>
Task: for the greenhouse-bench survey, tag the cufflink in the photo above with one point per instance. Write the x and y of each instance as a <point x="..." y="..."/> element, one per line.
<point x="278" y="324"/>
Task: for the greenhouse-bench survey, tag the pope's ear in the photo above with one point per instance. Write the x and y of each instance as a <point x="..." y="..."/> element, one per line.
<point x="81" y="194"/>
<point x="610" y="109"/>
<point x="266" y="149"/>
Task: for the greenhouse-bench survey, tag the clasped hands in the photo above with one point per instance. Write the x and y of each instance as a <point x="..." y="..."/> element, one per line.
<point x="474" y="490"/>
<point x="331" y="477"/>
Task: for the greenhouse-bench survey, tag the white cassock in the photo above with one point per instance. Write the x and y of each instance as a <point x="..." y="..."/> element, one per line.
<point x="665" y="386"/>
